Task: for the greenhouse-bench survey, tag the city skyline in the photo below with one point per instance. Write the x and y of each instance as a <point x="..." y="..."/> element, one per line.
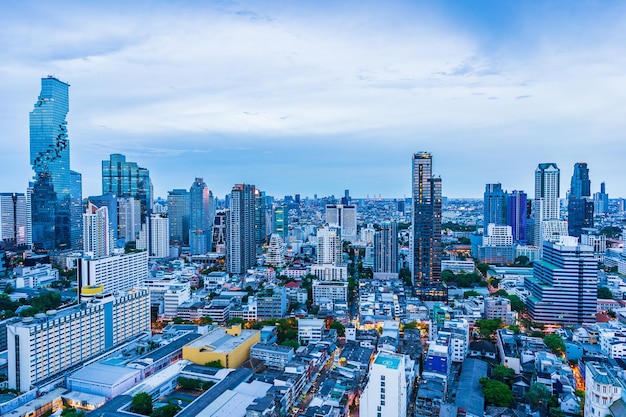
<point x="343" y="93"/>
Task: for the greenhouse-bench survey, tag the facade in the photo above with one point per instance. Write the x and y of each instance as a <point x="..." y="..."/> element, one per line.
<point x="274" y="357"/>
<point x="271" y="303"/>
<point x="61" y="339"/>
<point x="13" y="218"/>
<point x="546" y="202"/>
<point x="337" y="291"/>
<point x="128" y="218"/>
<point x="179" y="211"/>
<point x="564" y="284"/>
<point x="276" y="251"/>
<point x="330" y="272"/>
<point x="240" y="241"/>
<point x="603" y="391"/>
<point x="580" y="205"/>
<point x="218" y="243"/>
<point x="114" y="273"/>
<point x="494" y="205"/>
<point x="426" y="239"/>
<point x="498" y="308"/>
<point x="110" y="202"/>
<point x="200" y="218"/>
<point x="154" y="236"/>
<point x="344" y="217"/>
<point x="50" y="159"/>
<point x="601" y="200"/>
<point x="516" y="215"/>
<point x="97" y="233"/>
<point x="386" y="393"/>
<point x="329" y="246"/>
<point x="231" y="347"/>
<point x="76" y="209"/>
<point x="310" y="330"/>
<point x="281" y="221"/>
<point x="127" y="179"/>
<point x="386" y="248"/>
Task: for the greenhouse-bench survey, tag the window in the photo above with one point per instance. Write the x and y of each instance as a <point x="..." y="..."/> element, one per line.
<point x="382" y="377"/>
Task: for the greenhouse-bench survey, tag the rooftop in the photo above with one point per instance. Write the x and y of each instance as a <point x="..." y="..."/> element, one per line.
<point x="390" y="361"/>
<point x="219" y="341"/>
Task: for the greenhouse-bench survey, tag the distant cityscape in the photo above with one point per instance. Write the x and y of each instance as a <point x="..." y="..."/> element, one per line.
<point x="253" y="305"/>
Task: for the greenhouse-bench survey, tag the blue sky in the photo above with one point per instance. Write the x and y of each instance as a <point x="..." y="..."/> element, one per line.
<point x="316" y="97"/>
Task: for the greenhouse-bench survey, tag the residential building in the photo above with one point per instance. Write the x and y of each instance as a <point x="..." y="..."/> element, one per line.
<point x="218" y="244"/>
<point x="273" y="356"/>
<point x="604" y="391"/>
<point x="128" y="218"/>
<point x="337" y="291"/>
<point x="240" y="241"/>
<point x="114" y="273"/>
<point x="516" y="215"/>
<point x="564" y="284"/>
<point x="201" y="217"/>
<point x="271" y="303"/>
<point x="154" y="236"/>
<point x="76" y="209"/>
<point x="498" y="308"/>
<point x="329" y="246"/>
<point x="13" y="219"/>
<point x="97" y="233"/>
<point x="50" y="159"/>
<point x="546" y="202"/>
<point x="386" y="248"/>
<point x="310" y="330"/>
<point x="59" y="340"/>
<point x="426" y="231"/>
<point x="386" y="393"/>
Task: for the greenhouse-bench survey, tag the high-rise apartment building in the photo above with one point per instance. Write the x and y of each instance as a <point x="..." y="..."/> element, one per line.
<point x="179" y="210"/>
<point x="97" y="233"/>
<point x="200" y="218"/>
<point x="155" y="236"/>
<point x="50" y="159"/>
<point x="13" y="218"/>
<point x="49" y="344"/>
<point x="579" y="204"/>
<point x="546" y="202"/>
<point x="109" y="201"/>
<point x="240" y="242"/>
<point x="128" y="218"/>
<point x="113" y="273"/>
<point x="218" y="243"/>
<point x="495" y="200"/>
<point x="516" y="215"/>
<point x="564" y="284"/>
<point x="386" y="248"/>
<point x="127" y="179"/>
<point x="426" y="239"/>
<point x="344" y="217"/>
<point x="329" y="246"/>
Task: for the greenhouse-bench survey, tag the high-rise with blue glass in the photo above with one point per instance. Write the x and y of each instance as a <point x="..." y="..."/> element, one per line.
<point x="50" y="159"/>
<point x="201" y="217"/>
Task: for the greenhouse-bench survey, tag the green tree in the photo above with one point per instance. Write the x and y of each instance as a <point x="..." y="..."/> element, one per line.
<point x="604" y="293"/>
<point x="470" y="293"/>
<point x="496" y="392"/>
<point x="613" y="232"/>
<point x="483" y="268"/>
<point x="538" y="395"/>
<point x="516" y="303"/>
<point x="514" y="328"/>
<point x="499" y="293"/>
<point x="405" y="276"/>
<point x="291" y="343"/>
<point x="555" y="343"/>
<point x="142" y="404"/>
<point x="521" y="260"/>
<point x="488" y="326"/>
<point x="556" y="412"/>
<point x="410" y="325"/>
<point x="341" y="329"/>
<point x="169" y="410"/>
<point x="503" y="374"/>
<point x="214" y="364"/>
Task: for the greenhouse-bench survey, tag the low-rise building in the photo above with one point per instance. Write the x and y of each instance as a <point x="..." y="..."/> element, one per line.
<point x="230" y="346"/>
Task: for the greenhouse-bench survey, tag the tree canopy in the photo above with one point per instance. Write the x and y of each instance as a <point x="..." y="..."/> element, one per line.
<point x="496" y="392"/>
<point x="555" y="343"/>
<point x="142" y="403"/>
<point x="604" y="293"/>
<point x="538" y="394"/>
<point x="169" y="410"/>
<point x="488" y="326"/>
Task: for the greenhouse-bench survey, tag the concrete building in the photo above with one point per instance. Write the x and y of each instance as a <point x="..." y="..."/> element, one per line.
<point x="230" y="346"/>
<point x="498" y="308"/>
<point x="564" y="284"/>
<point x="13" y="218"/>
<point x="47" y="345"/>
<point x="273" y="356"/>
<point x="114" y="273"/>
<point x="310" y="330"/>
<point x="104" y="380"/>
<point x="97" y="233"/>
<point x="240" y="242"/>
<point x="344" y="217"/>
<point x="329" y="272"/>
<point x="603" y="391"/>
<point x="329" y="246"/>
<point x="155" y="236"/>
<point x="337" y="291"/>
<point x="386" y="248"/>
<point x="386" y="392"/>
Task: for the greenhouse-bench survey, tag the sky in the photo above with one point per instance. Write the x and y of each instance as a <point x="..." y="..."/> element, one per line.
<point x="314" y="97"/>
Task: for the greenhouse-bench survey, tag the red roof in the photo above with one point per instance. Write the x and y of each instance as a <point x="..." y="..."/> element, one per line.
<point x="292" y="284"/>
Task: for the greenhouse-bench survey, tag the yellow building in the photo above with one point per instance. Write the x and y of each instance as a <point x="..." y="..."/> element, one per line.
<point x="229" y="346"/>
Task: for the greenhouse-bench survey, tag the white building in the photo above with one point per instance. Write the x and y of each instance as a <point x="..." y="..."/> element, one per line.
<point x="498" y="235"/>
<point x="128" y="218"/>
<point x="35" y="276"/>
<point x="115" y="273"/>
<point x="602" y="390"/>
<point x="329" y="246"/>
<point x="367" y="234"/>
<point x="155" y="237"/>
<point x="329" y="272"/>
<point x="276" y="251"/>
<point x="336" y="291"/>
<point x="310" y="330"/>
<point x="48" y="344"/>
<point x="459" y="332"/>
<point x="97" y="233"/>
<point x="386" y="393"/>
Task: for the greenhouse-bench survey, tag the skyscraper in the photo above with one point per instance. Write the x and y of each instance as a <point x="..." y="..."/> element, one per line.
<point x="345" y="217"/>
<point x="494" y="205"/>
<point x="240" y="242"/>
<point x="50" y="159"/>
<point x="155" y="236"/>
<point x="128" y="218"/>
<point x="97" y="233"/>
<point x="281" y="222"/>
<point x="546" y="202"/>
<point x="329" y="246"/>
<point x="13" y="221"/>
<point x="516" y="215"/>
<point x="386" y="248"/>
<point x="76" y="209"/>
<point x="579" y="205"/>
<point x="426" y="226"/>
<point x="601" y="201"/>
<point x="179" y="211"/>
<point x="564" y="284"/>
<point x="110" y="202"/>
<point x="127" y="179"/>
<point x="201" y="217"/>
